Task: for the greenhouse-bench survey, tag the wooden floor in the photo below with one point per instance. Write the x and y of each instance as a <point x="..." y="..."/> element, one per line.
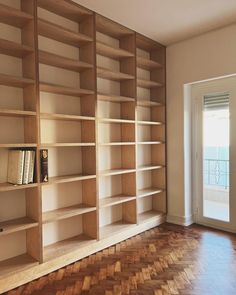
<point x="166" y="260"/>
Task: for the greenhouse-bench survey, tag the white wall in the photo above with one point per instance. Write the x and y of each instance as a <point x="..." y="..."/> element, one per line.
<point x="204" y="57"/>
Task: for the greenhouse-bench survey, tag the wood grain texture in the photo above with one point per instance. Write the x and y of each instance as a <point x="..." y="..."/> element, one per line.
<point x="168" y="260"/>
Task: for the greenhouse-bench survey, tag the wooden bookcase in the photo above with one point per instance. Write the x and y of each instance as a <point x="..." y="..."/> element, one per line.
<point x="92" y="92"/>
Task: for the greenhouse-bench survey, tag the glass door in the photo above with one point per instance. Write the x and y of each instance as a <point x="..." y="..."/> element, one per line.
<point x="216" y="180"/>
<point x="214" y="153"/>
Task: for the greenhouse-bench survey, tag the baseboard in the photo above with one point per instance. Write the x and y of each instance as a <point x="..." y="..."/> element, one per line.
<point x="180" y="220"/>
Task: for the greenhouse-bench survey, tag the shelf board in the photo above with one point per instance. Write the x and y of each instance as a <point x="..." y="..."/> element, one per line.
<point x="115" y="53"/>
<point x="15" y="81"/>
<point x="16" y="264"/>
<point x="66" y="246"/>
<point x="66" y="9"/>
<point x="79" y="144"/>
<point x="115" y="200"/>
<point x="112" y="75"/>
<point x="114" y="98"/>
<point x="149" y="167"/>
<point x="148" y="192"/>
<point x="111" y="172"/>
<point x="111" y="28"/>
<point x="66" y="212"/>
<point x="52" y="116"/>
<point x="15" y="225"/>
<point x="4" y="187"/>
<point x="59" y="33"/>
<point x="116" y="121"/>
<point x="116" y="143"/>
<point x="55" y="60"/>
<point x="148" y="84"/>
<point x="149" y="215"/>
<point x="112" y="229"/>
<point x="149" y="123"/>
<point x="58" y="89"/>
<point x="16" y="113"/>
<point x="68" y="178"/>
<point x="147" y="64"/>
<point x="148" y="103"/>
<point x="14" y="49"/>
<point x="149" y="142"/>
<point x="14" y="17"/>
<point x="18" y="145"/>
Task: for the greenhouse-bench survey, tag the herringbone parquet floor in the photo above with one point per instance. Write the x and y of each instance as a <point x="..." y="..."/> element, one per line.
<point x="165" y="260"/>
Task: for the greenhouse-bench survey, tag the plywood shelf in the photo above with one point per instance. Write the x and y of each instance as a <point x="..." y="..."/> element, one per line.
<point x="5" y="187"/>
<point x="148" y="103"/>
<point x="52" y="116"/>
<point x="62" y="62"/>
<point x="114" y="98"/>
<point x="15" y="225"/>
<point x="59" y="33"/>
<point x="66" y="212"/>
<point x="18" y="145"/>
<point x="145" y="192"/>
<point x="149" y="123"/>
<point x="116" y="143"/>
<point x="115" y="200"/>
<point x="111" y="28"/>
<point x="58" y="89"/>
<point x="111" y="52"/>
<point x="147" y="64"/>
<point x="16" y="113"/>
<point x="14" y="49"/>
<point x="148" y="84"/>
<point x="112" y="75"/>
<point x="66" y="9"/>
<point x="58" y="249"/>
<point x="111" y="172"/>
<point x="115" y="121"/>
<point x="149" y="142"/>
<point x="14" y="81"/>
<point x="149" y="167"/>
<point x="68" y="178"/>
<point x="55" y="145"/>
<point x="149" y="215"/>
<point x="16" y="264"/>
<point x="115" y="228"/>
<point x="14" y="17"/>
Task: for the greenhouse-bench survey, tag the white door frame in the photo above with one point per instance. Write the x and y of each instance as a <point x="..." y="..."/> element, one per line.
<point x="198" y="91"/>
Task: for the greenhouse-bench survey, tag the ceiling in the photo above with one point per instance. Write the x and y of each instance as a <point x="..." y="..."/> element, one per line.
<point x="167" y="21"/>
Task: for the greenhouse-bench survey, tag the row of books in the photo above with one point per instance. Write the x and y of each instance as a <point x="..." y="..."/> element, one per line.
<point x="21" y="166"/>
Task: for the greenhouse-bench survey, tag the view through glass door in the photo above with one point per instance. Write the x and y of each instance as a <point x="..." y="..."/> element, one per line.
<point x="216" y="156"/>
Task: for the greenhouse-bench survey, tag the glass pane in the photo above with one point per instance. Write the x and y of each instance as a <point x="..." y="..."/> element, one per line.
<point x="216" y="162"/>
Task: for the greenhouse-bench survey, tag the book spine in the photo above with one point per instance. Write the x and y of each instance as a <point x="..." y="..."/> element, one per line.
<point x="26" y="167"/>
<point x="21" y="168"/>
<point x="44" y="165"/>
<point x="15" y="166"/>
<point x="31" y="169"/>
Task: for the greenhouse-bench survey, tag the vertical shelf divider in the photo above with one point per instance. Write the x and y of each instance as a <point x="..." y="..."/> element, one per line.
<point x="32" y="133"/>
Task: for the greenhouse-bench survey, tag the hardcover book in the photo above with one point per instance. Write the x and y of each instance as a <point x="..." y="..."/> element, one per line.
<point x="15" y="166"/>
<point x="44" y="165"/>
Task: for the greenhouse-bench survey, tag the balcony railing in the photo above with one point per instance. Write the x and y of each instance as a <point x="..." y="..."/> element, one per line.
<point x="216" y="173"/>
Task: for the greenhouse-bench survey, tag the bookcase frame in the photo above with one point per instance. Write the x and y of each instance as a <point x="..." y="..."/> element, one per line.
<point x="138" y="128"/>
